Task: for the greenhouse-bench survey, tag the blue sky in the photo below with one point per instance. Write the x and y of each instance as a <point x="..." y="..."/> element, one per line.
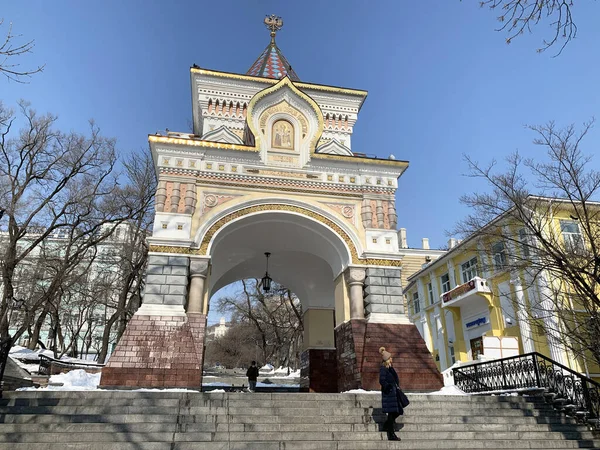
<point x="441" y="81"/>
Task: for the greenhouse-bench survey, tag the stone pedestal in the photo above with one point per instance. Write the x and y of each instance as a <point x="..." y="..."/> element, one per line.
<point x="318" y="370"/>
<point x="158" y="351"/>
<point x="358" y="343"/>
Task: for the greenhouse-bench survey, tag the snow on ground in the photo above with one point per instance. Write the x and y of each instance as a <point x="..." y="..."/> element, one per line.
<point x="281" y="372"/>
<point x="446" y="390"/>
<point x="75" y="380"/>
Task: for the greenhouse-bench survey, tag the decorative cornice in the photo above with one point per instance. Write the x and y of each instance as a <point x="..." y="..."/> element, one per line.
<point x="317" y="87"/>
<point x="246" y="148"/>
<point x="200" y="143"/>
<point x="286" y="184"/>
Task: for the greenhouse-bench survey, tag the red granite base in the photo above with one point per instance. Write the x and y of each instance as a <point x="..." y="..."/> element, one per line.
<point x="359" y="360"/>
<point x="318" y="370"/>
<point x="158" y="352"/>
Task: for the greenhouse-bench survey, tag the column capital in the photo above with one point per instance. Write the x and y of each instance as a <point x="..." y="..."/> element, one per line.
<point x="355" y="275"/>
<point x="199" y="267"/>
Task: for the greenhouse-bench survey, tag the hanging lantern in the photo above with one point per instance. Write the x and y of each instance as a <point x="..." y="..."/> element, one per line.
<point x="266" y="280"/>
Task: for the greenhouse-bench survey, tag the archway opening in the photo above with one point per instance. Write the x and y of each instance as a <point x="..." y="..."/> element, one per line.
<point x="247" y="324"/>
<point x="307" y="258"/>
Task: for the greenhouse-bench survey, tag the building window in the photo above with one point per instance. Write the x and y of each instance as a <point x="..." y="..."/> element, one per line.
<point x="164" y="226"/>
<point x="571" y="235"/>
<point x="452" y="356"/>
<point x="499" y="252"/>
<point x="524" y="240"/>
<point x="416" y="303"/>
<point x="445" y="283"/>
<point x="180" y="227"/>
<point x="430" y="291"/>
<point x="469" y="269"/>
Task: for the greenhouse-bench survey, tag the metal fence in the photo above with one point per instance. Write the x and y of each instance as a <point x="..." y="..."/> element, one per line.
<point x="530" y="371"/>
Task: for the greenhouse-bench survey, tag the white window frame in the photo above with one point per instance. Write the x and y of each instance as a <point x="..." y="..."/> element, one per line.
<point x="499" y="256"/>
<point x="430" y="292"/>
<point x="469" y="269"/>
<point x="524" y="240"/>
<point x="573" y="241"/>
<point x="416" y="303"/>
<point x="445" y="284"/>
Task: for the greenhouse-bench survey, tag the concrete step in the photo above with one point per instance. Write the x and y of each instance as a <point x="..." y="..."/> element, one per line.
<point x="119" y="396"/>
<point x="212" y="427"/>
<point x="185" y="420"/>
<point x="253" y="419"/>
<point x="314" y="445"/>
<point x="295" y="436"/>
<point x="278" y="411"/>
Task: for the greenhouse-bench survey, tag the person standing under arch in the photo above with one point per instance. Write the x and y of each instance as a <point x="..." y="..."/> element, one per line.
<point x="252" y="374"/>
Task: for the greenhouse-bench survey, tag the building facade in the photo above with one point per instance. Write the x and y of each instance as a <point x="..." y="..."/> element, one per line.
<point x="478" y="301"/>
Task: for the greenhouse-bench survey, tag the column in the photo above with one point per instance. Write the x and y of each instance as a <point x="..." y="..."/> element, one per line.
<point x="524" y="327"/>
<point x="546" y="305"/>
<point x="198" y="272"/>
<point x="355" y="279"/>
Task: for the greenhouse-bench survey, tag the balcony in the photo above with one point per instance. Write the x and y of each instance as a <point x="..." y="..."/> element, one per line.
<point x="474" y="290"/>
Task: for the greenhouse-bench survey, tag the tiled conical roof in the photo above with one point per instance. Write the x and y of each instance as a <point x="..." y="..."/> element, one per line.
<point x="271" y="63"/>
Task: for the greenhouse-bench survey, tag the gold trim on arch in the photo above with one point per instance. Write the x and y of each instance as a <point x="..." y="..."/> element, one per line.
<point x="288" y="208"/>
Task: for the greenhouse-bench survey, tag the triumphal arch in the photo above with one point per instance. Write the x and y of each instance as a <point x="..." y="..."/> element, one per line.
<point x="270" y="167"/>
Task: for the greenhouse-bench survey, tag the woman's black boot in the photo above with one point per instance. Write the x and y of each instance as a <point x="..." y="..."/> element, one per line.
<point x="392" y="436"/>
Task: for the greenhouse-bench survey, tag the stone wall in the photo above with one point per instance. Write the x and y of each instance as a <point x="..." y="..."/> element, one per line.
<point x="166" y="280"/>
<point x="318" y="370"/>
<point x="359" y="360"/>
<point x="383" y="292"/>
<point x="349" y="339"/>
<point x="158" y="352"/>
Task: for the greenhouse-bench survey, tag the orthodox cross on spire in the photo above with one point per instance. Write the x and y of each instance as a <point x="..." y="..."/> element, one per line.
<point x="273" y="23"/>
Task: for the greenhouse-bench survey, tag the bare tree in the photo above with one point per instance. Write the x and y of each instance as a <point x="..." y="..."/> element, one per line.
<point x="128" y="281"/>
<point x="9" y="51"/>
<point x="518" y="16"/>
<point x="276" y="318"/>
<point x="53" y="184"/>
<point x="235" y="349"/>
<point x="546" y="212"/>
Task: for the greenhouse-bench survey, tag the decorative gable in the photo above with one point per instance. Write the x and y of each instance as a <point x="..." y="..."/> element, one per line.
<point x="222" y="134"/>
<point x="286" y="124"/>
<point x="333" y="147"/>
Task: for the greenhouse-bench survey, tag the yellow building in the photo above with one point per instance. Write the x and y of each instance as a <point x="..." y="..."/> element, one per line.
<point x="479" y="300"/>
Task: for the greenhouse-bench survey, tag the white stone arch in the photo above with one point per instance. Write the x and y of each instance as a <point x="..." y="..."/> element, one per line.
<point x="280" y="204"/>
<point x="309" y="250"/>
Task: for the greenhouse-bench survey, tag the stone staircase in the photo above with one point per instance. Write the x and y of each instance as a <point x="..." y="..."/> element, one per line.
<point x="123" y="420"/>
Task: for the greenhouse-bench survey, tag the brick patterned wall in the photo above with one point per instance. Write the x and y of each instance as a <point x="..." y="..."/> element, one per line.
<point x="158" y="352"/>
<point x="349" y="340"/>
<point x="361" y="341"/>
<point x="318" y="370"/>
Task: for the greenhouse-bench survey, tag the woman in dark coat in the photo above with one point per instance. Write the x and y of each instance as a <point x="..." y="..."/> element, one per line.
<point x="392" y="397"/>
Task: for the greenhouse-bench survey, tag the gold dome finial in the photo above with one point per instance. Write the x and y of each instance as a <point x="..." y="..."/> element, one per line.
<point x="273" y="23"/>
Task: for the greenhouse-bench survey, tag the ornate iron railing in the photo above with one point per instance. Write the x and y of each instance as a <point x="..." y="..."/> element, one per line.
<point x="5" y="345"/>
<point x="47" y="365"/>
<point x="530" y="371"/>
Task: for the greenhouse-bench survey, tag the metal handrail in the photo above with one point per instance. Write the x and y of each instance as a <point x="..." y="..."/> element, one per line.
<point x="533" y="370"/>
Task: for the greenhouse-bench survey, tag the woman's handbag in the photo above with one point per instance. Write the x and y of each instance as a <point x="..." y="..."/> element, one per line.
<point x="402" y="398"/>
